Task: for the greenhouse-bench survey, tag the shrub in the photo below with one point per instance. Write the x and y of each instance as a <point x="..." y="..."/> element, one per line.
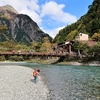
<point x="16" y="58"/>
<point x="2" y="58"/>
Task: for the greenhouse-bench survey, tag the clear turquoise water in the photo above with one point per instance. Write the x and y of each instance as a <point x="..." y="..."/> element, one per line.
<point x="70" y="82"/>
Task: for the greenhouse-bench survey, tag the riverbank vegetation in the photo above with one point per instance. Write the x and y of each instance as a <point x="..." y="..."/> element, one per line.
<point x="81" y="52"/>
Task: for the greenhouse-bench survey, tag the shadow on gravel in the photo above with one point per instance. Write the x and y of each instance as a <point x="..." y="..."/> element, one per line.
<point x="32" y="80"/>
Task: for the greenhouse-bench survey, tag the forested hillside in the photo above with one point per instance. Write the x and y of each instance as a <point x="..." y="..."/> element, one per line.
<point x="88" y="23"/>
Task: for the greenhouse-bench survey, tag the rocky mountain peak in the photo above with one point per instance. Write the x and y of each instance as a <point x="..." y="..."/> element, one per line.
<point x="10" y="8"/>
<point x="21" y="28"/>
<point x="7" y="11"/>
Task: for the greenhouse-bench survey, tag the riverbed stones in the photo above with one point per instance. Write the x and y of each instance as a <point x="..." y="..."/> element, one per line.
<point x="16" y="83"/>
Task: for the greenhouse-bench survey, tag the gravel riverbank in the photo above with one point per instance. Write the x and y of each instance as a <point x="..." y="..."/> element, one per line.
<point x="16" y="83"/>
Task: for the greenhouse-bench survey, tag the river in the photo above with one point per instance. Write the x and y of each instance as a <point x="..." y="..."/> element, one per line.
<point x="70" y="82"/>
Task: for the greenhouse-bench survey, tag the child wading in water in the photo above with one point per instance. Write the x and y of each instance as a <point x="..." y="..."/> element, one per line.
<point x="35" y="75"/>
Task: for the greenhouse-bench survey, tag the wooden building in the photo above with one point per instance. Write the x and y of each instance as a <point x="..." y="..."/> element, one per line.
<point x="63" y="48"/>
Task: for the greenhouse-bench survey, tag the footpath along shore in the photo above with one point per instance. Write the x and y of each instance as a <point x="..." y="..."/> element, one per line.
<point x="16" y="83"/>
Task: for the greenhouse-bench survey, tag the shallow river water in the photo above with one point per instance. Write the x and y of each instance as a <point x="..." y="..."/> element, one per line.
<point x="70" y="82"/>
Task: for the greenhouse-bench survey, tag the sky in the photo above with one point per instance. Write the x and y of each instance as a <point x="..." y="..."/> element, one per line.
<point x="50" y="15"/>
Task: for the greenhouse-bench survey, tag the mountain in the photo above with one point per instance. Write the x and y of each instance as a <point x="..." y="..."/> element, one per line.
<point x="88" y="23"/>
<point x="20" y="27"/>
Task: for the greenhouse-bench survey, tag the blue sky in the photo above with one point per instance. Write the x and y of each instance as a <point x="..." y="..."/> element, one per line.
<point x="51" y="15"/>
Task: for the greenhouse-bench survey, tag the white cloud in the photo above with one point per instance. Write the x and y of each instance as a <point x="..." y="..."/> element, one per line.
<point x="50" y="10"/>
<point x="55" y="11"/>
<point x="53" y="32"/>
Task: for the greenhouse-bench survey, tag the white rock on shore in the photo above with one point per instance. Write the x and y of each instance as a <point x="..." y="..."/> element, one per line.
<point x="16" y="83"/>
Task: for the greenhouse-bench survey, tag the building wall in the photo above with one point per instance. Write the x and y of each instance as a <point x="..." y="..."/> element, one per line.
<point x="82" y="37"/>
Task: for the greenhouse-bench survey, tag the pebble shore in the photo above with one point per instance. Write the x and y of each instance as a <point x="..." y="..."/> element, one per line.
<point x="16" y="83"/>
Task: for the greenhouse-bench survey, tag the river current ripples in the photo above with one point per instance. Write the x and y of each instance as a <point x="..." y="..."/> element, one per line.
<point x="70" y="82"/>
<point x="73" y="82"/>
